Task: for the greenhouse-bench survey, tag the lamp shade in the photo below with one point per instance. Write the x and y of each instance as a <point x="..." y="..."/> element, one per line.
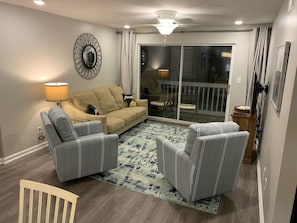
<point x="166" y="28"/>
<point x="163" y="73"/>
<point x="57" y="91"/>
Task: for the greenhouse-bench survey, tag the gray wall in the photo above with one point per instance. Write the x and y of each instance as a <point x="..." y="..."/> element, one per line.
<point x="35" y="48"/>
<point x="278" y="149"/>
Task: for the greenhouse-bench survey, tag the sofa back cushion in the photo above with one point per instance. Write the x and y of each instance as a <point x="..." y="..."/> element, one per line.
<point x="62" y="124"/>
<point x="204" y="129"/>
<point x="82" y="100"/>
<point x="107" y="102"/>
<point x="117" y="93"/>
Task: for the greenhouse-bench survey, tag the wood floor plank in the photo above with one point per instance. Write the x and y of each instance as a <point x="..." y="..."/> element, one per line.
<point x="102" y="202"/>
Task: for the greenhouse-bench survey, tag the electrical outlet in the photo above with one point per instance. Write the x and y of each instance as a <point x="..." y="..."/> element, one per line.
<point x="40" y="135"/>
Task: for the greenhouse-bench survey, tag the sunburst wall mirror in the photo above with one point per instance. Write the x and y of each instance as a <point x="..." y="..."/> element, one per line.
<point x="87" y="56"/>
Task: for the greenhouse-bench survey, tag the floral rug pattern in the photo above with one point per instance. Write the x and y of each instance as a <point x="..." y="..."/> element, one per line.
<point x="137" y="165"/>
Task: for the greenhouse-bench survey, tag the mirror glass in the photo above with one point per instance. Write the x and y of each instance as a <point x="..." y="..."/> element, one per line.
<point x="89" y="56"/>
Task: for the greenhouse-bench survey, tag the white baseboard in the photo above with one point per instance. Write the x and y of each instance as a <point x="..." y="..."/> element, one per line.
<point x="260" y="193"/>
<point x="23" y="153"/>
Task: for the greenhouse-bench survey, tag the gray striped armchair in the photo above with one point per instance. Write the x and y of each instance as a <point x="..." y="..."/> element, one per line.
<point x="209" y="162"/>
<point x="78" y="150"/>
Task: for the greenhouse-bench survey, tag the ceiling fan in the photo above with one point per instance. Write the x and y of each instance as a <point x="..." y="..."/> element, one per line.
<point x="166" y="22"/>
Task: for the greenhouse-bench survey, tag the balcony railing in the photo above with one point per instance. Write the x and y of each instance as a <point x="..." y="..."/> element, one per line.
<point x="210" y="98"/>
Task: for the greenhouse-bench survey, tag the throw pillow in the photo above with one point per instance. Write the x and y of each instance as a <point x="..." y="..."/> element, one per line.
<point x="92" y="110"/>
<point x="133" y="103"/>
<point x="129" y="100"/>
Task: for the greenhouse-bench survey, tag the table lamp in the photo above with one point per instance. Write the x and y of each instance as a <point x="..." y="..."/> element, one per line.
<point x="163" y="73"/>
<point x="56" y="91"/>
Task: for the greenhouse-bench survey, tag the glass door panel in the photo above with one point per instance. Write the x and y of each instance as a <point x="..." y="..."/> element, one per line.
<point x="159" y="77"/>
<point x="204" y="82"/>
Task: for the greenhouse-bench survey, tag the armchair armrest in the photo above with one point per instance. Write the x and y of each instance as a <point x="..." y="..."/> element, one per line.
<point x="78" y="116"/>
<point x="87" y="128"/>
<point x="86" y="155"/>
<point x="176" y="165"/>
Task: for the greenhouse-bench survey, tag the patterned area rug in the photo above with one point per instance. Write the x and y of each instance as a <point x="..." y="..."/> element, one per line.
<point x="137" y="168"/>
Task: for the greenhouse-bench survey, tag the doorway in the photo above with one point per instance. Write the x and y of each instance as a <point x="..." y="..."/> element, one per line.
<point x="188" y="83"/>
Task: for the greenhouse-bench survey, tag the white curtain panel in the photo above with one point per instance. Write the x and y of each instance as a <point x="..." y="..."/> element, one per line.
<point x="127" y="56"/>
<point x="259" y="61"/>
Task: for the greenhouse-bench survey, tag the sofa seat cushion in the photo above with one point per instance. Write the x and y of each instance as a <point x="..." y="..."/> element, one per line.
<point x="140" y="111"/>
<point x="204" y="129"/>
<point x="107" y="102"/>
<point x="62" y="123"/>
<point x="114" y="124"/>
<point x="125" y="115"/>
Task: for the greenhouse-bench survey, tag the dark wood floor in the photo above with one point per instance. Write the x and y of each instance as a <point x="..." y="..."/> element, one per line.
<point x="101" y="202"/>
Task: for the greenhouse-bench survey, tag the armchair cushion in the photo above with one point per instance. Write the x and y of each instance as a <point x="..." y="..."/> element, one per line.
<point x="62" y="124"/>
<point x="87" y="128"/>
<point x="204" y="129"/>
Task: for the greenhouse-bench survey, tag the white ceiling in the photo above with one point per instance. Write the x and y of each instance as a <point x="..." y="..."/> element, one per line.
<point x="210" y="14"/>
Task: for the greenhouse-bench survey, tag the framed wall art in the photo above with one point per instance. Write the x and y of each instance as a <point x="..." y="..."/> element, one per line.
<point x="280" y="74"/>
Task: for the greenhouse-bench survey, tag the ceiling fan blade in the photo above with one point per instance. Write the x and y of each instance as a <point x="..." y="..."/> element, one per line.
<point x="143" y="25"/>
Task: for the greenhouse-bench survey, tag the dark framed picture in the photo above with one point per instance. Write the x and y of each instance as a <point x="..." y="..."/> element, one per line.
<point x="280" y="74"/>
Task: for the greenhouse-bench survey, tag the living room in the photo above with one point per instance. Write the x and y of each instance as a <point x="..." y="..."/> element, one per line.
<point x="37" y="47"/>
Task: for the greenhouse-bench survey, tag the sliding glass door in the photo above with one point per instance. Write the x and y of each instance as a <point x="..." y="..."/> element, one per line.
<point x="185" y="82"/>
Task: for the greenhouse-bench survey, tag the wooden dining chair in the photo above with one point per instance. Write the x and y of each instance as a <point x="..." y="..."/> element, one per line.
<point x="40" y="202"/>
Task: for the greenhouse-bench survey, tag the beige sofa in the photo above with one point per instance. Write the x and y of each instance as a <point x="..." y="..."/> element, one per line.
<point x="116" y="117"/>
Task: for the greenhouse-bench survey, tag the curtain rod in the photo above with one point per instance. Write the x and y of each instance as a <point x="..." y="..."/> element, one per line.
<point x="248" y="29"/>
<point x="199" y="31"/>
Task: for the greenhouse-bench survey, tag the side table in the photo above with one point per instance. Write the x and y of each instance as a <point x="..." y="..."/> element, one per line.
<point x="247" y="122"/>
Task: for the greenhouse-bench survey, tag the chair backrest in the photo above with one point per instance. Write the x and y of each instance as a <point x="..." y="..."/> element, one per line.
<point x="40" y="202"/>
<point x="210" y="128"/>
<point x="52" y="136"/>
<point x="62" y="123"/>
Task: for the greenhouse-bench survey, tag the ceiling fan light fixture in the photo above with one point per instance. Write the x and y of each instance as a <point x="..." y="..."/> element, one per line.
<point x="38" y="2"/>
<point x="166" y="28"/>
<point x="166" y="20"/>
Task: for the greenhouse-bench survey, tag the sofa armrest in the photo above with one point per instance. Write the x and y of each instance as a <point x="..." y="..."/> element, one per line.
<point x="88" y="128"/>
<point x="176" y="165"/>
<point x="78" y="116"/>
<point x="142" y="102"/>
